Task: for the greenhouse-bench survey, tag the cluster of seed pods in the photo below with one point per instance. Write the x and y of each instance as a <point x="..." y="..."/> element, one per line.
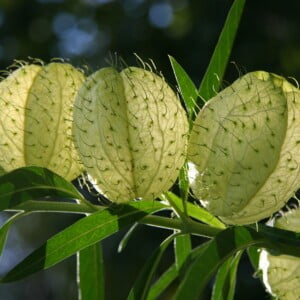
<point x="244" y="149"/>
<point x="130" y="132"/>
<point x="36" y="106"/>
<point x="281" y="273"/>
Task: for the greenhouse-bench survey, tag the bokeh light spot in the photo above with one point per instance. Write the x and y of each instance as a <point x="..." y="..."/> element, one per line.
<point x="78" y="36"/>
<point x="63" y="22"/>
<point x="161" y="15"/>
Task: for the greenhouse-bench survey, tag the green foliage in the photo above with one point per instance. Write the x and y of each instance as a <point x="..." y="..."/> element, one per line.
<point x="214" y="74"/>
<point x="90" y="265"/>
<point x="224" y="286"/>
<point x="34" y="189"/>
<point x="32" y="183"/>
<point x="85" y="232"/>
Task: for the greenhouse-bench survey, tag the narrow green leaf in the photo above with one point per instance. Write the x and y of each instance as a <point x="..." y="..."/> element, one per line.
<point x="141" y="287"/>
<point x="218" y="250"/>
<point x="227" y="243"/>
<point x="183" y="248"/>
<point x="174" y="271"/>
<point x="224" y="286"/>
<point x="6" y="226"/>
<point x="187" y="87"/>
<point x="280" y="241"/>
<point x="197" y="212"/>
<point x="164" y="281"/>
<point x="253" y="254"/>
<point x="84" y="207"/>
<point x="32" y="183"/>
<point x="216" y="69"/>
<point x="127" y="236"/>
<point x="85" y="232"/>
<point x="183" y="183"/>
<point x="91" y="273"/>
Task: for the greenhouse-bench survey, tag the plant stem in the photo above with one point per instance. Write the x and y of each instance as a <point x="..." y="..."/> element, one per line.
<point x="179" y="212"/>
<point x="186" y="226"/>
<point x="63" y="207"/>
<point x="189" y="226"/>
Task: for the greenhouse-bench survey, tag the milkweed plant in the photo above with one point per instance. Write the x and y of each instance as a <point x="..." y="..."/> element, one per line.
<point x="233" y="156"/>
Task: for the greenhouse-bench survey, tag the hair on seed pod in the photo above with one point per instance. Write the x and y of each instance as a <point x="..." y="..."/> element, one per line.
<point x="244" y="149"/>
<point x="131" y="133"/>
<point x="36" y="106"/>
<point x="281" y="273"/>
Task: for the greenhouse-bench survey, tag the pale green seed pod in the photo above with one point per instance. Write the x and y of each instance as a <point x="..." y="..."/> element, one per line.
<point x="244" y="149"/>
<point x="36" y="109"/>
<point x="281" y="273"/>
<point x="131" y="133"/>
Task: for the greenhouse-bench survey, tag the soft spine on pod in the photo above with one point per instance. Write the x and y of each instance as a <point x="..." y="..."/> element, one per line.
<point x="131" y="132"/>
<point x="281" y="273"/>
<point x="244" y="149"/>
<point x="36" y="107"/>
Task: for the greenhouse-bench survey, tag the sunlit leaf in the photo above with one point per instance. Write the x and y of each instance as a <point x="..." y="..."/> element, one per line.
<point x="91" y="273"/>
<point x="123" y="243"/>
<point x="224" y="286"/>
<point x="32" y="183"/>
<point x="253" y="254"/>
<point x="85" y="232"/>
<point x="227" y="243"/>
<point x="216" y="69"/>
<point x="280" y="241"/>
<point x="163" y="282"/>
<point x="142" y="284"/>
<point x="197" y="212"/>
<point x="173" y="272"/>
<point x="187" y="87"/>
<point x="6" y="226"/>
<point x="183" y="248"/>
<point x="184" y="185"/>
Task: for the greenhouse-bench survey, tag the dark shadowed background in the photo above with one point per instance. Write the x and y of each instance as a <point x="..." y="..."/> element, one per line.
<point x="88" y="33"/>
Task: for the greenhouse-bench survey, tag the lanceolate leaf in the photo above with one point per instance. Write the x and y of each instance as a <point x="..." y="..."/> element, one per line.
<point x="224" y="286"/>
<point x="219" y="249"/>
<point x="227" y="243"/>
<point x="253" y="254"/>
<point x="215" y="71"/>
<point x="182" y="248"/>
<point x="279" y="240"/>
<point x="197" y="212"/>
<point x="163" y="282"/>
<point x="5" y="228"/>
<point x="80" y="235"/>
<point x="174" y="271"/>
<point x="183" y="183"/>
<point x="141" y="287"/>
<point x="187" y="88"/>
<point x="32" y="183"/>
<point x="91" y="273"/>
<point x="123" y="243"/>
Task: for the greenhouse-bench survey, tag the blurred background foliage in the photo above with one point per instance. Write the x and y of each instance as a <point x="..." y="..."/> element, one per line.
<point x="88" y="33"/>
